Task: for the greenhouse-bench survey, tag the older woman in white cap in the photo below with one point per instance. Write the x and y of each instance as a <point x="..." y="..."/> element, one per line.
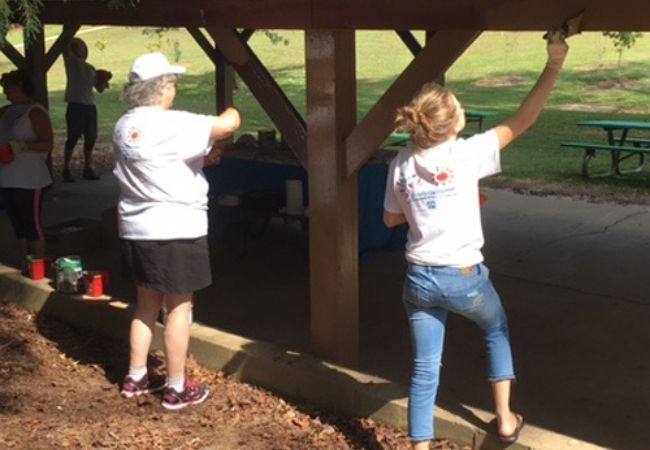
<point x="162" y="216"/>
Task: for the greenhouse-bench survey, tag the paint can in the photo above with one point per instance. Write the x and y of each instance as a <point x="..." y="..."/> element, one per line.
<point x="36" y="267"/>
<point x="69" y="275"/>
<point x="96" y="283"/>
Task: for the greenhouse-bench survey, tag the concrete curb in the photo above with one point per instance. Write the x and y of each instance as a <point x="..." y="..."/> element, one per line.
<point x="295" y="375"/>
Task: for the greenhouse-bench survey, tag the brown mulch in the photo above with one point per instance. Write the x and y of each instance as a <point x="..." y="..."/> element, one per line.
<point x="59" y="389"/>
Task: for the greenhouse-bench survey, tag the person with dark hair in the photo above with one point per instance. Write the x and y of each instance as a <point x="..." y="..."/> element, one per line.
<point x="25" y="126"/>
<point x="162" y="216"/>
<point x="433" y="186"/>
<point x="81" y="112"/>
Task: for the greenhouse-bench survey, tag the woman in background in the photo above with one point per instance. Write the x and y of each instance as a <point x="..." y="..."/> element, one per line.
<point x="25" y="126"/>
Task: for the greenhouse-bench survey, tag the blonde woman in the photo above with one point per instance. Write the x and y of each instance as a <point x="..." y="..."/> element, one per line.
<point x="433" y="186"/>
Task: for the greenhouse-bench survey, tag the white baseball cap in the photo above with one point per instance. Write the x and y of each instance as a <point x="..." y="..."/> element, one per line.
<point x="152" y="65"/>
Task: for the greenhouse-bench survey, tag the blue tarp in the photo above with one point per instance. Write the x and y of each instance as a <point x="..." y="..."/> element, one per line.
<point x="246" y="175"/>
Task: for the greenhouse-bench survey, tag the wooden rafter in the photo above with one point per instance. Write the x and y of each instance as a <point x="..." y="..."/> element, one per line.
<point x="410" y="41"/>
<point x="503" y="15"/>
<point x="224" y="77"/>
<point x="13" y="55"/>
<point x="210" y="50"/>
<point x="267" y="92"/>
<point x="436" y="57"/>
<point x="60" y="44"/>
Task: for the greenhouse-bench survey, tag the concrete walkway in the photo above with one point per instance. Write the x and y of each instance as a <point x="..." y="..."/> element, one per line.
<point x="572" y="276"/>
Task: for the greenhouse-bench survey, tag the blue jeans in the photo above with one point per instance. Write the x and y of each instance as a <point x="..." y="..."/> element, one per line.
<point x="429" y="294"/>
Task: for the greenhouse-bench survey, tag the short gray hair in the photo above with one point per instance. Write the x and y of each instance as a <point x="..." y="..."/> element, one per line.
<point x="148" y="92"/>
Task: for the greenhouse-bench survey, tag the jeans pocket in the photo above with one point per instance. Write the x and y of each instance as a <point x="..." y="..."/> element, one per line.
<point x="415" y="291"/>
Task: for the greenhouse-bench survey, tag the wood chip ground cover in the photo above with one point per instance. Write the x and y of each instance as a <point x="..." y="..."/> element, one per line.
<point x="59" y="390"/>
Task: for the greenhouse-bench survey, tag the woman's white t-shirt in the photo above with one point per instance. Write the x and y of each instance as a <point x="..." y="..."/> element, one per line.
<point x="159" y="161"/>
<point x="437" y="191"/>
<point x="28" y="169"/>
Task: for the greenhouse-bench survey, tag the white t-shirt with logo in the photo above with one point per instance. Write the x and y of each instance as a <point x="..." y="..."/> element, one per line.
<point x="159" y="161"/>
<point x="437" y="191"/>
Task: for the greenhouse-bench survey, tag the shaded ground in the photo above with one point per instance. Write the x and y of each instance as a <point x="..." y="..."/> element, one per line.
<point x="59" y="389"/>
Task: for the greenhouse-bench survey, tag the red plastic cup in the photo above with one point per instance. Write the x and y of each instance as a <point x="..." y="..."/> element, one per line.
<point x="36" y="267"/>
<point x="95" y="283"/>
<point x="6" y="154"/>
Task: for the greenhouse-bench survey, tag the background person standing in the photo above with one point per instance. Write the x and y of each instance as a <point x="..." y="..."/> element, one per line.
<point x="26" y="125"/>
<point x="81" y="112"/>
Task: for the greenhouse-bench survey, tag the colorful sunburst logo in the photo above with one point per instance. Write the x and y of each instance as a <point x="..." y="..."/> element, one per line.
<point x="442" y="177"/>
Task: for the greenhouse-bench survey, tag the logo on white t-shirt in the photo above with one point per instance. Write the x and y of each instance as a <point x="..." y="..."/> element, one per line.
<point x="406" y="185"/>
<point x="442" y="176"/>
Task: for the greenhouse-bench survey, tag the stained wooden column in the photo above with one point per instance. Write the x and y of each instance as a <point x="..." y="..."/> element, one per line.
<point x="224" y="75"/>
<point x="333" y="215"/>
<point x="225" y="83"/>
<point x="440" y="79"/>
<point x="36" y="65"/>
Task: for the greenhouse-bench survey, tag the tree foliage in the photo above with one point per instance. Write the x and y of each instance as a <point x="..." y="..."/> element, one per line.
<point x="622" y="40"/>
<point x="26" y="14"/>
<point x="21" y="12"/>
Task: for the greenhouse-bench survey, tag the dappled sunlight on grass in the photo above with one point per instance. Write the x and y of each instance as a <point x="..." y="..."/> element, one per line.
<point x="381" y="56"/>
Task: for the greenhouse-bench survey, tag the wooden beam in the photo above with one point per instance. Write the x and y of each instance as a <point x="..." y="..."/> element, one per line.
<point x="60" y="44"/>
<point x="36" y="66"/>
<point x="503" y="15"/>
<point x="333" y="211"/>
<point x="210" y="50"/>
<point x="13" y="55"/>
<point x="440" y="79"/>
<point x="246" y="34"/>
<point x="436" y="57"/>
<point x="224" y="79"/>
<point x="267" y="92"/>
<point x="410" y="41"/>
<point x="225" y="84"/>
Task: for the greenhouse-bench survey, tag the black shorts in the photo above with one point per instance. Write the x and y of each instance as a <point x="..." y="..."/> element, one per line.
<point x="23" y="207"/>
<point x="81" y="120"/>
<point x="178" y="266"/>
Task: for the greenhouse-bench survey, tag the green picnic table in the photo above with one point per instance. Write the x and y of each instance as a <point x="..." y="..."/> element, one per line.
<point x="619" y="144"/>
<point x="476" y="116"/>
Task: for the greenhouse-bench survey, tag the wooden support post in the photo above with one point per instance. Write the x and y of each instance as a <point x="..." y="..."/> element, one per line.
<point x="410" y="41"/>
<point x="224" y="78"/>
<point x="333" y="215"/>
<point x="36" y="65"/>
<point x="225" y="83"/>
<point x="440" y="79"/>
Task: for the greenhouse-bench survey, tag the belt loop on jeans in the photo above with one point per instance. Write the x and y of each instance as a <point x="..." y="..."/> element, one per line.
<point x="465" y="271"/>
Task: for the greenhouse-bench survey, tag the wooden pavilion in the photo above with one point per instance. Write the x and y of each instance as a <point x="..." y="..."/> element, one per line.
<point x="329" y="142"/>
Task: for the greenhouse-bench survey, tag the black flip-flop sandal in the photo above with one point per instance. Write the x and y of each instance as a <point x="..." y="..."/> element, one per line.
<point x="511" y="438"/>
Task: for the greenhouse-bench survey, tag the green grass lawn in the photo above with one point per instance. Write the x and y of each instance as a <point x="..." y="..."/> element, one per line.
<point x="536" y="158"/>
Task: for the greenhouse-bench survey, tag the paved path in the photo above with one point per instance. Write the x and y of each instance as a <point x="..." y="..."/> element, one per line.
<point x="572" y="275"/>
